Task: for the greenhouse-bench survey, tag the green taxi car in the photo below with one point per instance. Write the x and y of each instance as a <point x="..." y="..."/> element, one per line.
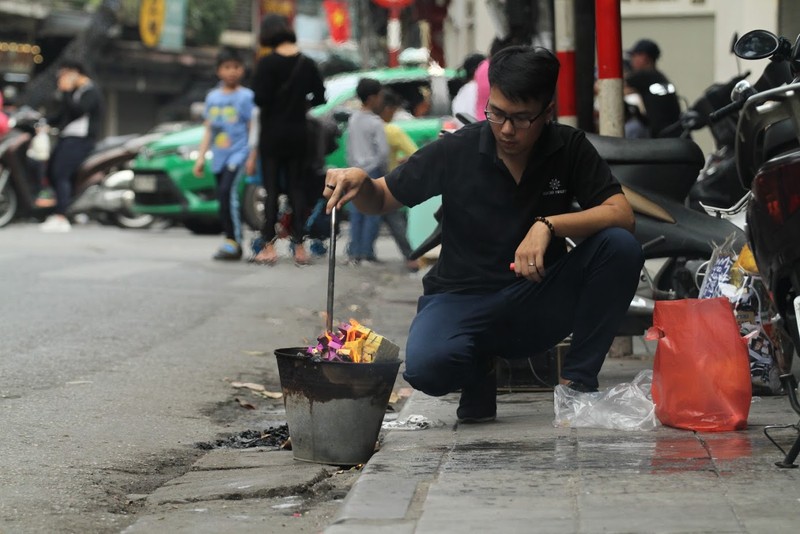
<point x="165" y="186"/>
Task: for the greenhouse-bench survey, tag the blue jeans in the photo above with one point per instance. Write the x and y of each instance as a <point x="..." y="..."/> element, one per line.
<point x="363" y="231"/>
<point x="586" y="294"/>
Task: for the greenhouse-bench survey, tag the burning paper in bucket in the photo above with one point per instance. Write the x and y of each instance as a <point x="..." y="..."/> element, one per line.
<point x="354" y="343"/>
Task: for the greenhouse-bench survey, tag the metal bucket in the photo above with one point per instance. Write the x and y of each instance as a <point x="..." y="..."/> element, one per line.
<point x="334" y="409"/>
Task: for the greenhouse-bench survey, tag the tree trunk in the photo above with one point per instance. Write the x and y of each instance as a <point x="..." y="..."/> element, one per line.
<point x="85" y="48"/>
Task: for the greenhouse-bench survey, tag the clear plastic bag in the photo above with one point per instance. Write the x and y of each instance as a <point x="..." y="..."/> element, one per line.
<point x="627" y="406"/>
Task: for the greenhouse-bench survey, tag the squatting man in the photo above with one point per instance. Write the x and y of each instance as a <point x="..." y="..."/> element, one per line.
<point x="507" y="186"/>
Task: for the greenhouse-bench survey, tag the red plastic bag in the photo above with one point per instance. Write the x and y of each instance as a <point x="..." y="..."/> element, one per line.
<point x="701" y="374"/>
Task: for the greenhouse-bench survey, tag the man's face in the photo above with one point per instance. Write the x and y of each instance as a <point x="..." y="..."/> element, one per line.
<point x="375" y="103"/>
<point x="67" y="79"/>
<point x="230" y="72"/>
<point x="515" y="141"/>
<point x="387" y="113"/>
<point x="639" y="61"/>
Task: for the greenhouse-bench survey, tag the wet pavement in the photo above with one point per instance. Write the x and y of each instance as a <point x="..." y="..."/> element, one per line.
<point x="522" y="474"/>
<point x="517" y="474"/>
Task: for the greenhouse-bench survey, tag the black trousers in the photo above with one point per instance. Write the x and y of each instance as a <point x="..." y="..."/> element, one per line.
<point x="65" y="160"/>
<point x="285" y="175"/>
<point x="229" y="213"/>
<point x="586" y="293"/>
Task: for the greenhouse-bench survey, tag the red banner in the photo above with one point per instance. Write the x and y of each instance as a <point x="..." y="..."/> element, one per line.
<point x="394" y="4"/>
<point x="338" y="20"/>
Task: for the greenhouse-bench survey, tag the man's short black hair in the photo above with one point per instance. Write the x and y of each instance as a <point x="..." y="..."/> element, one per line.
<point x="366" y="88"/>
<point x="276" y="29"/>
<point x="647" y="47"/>
<point x="229" y="54"/>
<point x="523" y="73"/>
<point x="72" y="64"/>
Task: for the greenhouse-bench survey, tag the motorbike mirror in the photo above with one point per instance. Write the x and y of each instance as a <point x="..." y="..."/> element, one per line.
<point x="733" y="41"/>
<point x="756" y="44"/>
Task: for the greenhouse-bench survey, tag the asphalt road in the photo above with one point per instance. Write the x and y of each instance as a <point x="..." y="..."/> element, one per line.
<point x="117" y="348"/>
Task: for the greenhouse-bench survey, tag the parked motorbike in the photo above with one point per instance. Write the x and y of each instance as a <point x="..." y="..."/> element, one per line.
<point x="680" y="238"/>
<point x="768" y="163"/>
<point x="97" y="191"/>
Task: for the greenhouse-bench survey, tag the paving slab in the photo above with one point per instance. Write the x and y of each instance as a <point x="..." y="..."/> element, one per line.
<point x="522" y="474"/>
<point x="277" y="473"/>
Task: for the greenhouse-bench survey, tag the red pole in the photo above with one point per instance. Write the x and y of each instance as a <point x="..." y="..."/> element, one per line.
<point x="609" y="39"/>
<point x="609" y="63"/>
<point x="393" y="36"/>
<point x="565" y="51"/>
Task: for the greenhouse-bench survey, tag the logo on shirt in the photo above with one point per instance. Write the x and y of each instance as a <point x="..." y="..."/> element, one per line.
<point x="555" y="188"/>
<point x="661" y="89"/>
<point x="222" y="140"/>
<point x="223" y="113"/>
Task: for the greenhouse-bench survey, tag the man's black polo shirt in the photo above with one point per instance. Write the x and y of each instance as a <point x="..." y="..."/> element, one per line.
<point x="485" y="213"/>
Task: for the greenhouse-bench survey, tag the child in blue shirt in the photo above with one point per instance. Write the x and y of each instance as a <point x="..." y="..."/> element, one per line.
<point x="228" y="111"/>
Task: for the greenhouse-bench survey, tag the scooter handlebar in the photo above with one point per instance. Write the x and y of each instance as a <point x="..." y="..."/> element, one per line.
<point x="724" y="111"/>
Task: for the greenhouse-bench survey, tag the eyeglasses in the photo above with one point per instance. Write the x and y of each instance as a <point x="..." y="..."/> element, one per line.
<point x="517" y="122"/>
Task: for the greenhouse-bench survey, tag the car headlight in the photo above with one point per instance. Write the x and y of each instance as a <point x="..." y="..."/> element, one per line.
<point x="192" y="152"/>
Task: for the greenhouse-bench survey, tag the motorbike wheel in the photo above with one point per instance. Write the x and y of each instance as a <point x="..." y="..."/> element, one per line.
<point x="135" y="222"/>
<point x="8" y="198"/>
<point x="253" y="206"/>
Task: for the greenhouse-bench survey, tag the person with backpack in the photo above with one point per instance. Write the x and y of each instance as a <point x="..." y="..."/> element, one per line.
<point x="286" y="84"/>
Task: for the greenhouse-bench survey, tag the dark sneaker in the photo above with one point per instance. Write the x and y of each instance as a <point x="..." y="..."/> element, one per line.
<point x="230" y="250"/>
<point x="478" y="403"/>
<point x="580" y="387"/>
<point x="318" y="248"/>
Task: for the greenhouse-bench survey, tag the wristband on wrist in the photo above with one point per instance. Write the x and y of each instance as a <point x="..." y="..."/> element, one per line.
<point x="546" y="223"/>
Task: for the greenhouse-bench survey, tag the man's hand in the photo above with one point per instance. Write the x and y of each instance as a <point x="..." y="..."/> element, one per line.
<point x="342" y="185"/>
<point x="199" y="167"/>
<point x="529" y="256"/>
<point x="250" y="164"/>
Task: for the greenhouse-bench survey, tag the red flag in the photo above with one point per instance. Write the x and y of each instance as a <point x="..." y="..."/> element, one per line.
<point x="338" y="20"/>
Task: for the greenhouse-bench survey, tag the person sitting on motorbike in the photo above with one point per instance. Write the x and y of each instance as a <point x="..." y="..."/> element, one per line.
<point x="80" y="122"/>
<point x="507" y="186"/>
<point x="657" y="93"/>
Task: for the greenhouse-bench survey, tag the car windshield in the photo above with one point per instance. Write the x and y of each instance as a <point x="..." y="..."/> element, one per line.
<point x="413" y="85"/>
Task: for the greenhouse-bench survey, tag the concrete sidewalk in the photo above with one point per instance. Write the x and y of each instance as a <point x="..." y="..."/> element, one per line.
<point x="521" y="474"/>
<point x="518" y="474"/>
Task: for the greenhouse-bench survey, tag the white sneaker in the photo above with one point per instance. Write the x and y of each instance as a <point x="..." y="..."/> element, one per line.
<point x="55" y="224"/>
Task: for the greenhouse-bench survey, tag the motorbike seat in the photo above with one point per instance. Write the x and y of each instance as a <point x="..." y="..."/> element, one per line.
<point x="778" y="139"/>
<point x="649" y="151"/>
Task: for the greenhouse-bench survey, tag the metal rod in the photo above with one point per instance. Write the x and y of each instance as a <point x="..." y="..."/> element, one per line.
<point x="331" y="271"/>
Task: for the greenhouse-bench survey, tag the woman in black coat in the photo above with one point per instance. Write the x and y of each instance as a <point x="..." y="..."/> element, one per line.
<point x="286" y="85"/>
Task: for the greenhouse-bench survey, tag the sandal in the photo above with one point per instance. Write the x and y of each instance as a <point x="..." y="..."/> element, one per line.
<point x="301" y="256"/>
<point x="266" y="256"/>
